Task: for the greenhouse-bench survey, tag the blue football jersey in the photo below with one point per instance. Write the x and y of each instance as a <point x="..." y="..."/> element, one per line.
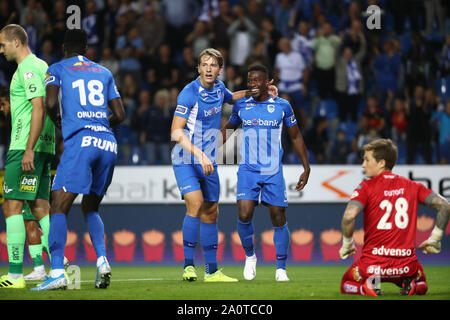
<point x="262" y="124"/>
<point x="202" y="108"/>
<point x="85" y="90"/>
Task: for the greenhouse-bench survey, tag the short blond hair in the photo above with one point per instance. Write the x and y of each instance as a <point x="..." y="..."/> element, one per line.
<point x="212" y="53"/>
<point x="14" y="31"/>
<point x="383" y="149"/>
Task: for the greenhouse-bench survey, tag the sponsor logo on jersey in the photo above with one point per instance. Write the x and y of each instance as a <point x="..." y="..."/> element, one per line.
<point x="212" y="111"/>
<point x="101" y="144"/>
<point x="28" y="183"/>
<point x="260" y="122"/>
<point x="96" y="128"/>
<point x="181" y="109"/>
<point x="49" y="78"/>
<point x="6" y="189"/>
<point x="81" y="63"/>
<point x="355" y="194"/>
<point x="83" y="66"/>
<point x="382" y="251"/>
<point x="377" y="270"/>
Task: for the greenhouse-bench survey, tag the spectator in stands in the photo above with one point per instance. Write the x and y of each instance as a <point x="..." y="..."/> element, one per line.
<point x="418" y="131"/>
<point x="220" y="25"/>
<point x="302" y="43"/>
<point x="255" y="12"/>
<point x="340" y="148"/>
<point x="375" y="116"/>
<point x="109" y="61"/>
<point x="8" y="13"/>
<point x="443" y="122"/>
<point x="155" y="130"/>
<point x="166" y="72"/>
<point x="347" y="20"/>
<point x="292" y="73"/>
<point x="188" y="66"/>
<point x="57" y="25"/>
<point x="362" y="136"/>
<point x="233" y="79"/>
<point x="316" y="138"/>
<point x="349" y="80"/>
<point x="325" y="46"/>
<point x="257" y="57"/>
<point x="387" y="69"/>
<point x="433" y="10"/>
<point x="47" y="52"/>
<point x="395" y="106"/>
<point x="200" y="38"/>
<point x="284" y="13"/>
<point x="133" y="40"/>
<point x="242" y="33"/>
<point x="91" y="24"/>
<point x="270" y="37"/>
<point x="152" y="30"/>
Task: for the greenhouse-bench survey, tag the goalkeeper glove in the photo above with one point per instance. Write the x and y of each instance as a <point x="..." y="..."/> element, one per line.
<point x="348" y="248"/>
<point x="433" y="243"/>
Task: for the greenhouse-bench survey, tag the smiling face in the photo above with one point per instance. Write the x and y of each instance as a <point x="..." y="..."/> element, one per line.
<point x="208" y="69"/>
<point x="258" y="84"/>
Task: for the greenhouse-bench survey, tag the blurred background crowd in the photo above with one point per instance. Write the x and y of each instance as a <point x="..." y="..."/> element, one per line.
<point x="346" y="83"/>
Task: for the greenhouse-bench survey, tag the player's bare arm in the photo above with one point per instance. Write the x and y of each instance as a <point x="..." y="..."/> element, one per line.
<point x="348" y="227"/>
<point x="52" y="103"/>
<point x="273" y="91"/>
<point x="118" y="112"/>
<point x="36" y="125"/>
<point x="433" y="243"/>
<point x="300" y="150"/>
<point x="177" y="135"/>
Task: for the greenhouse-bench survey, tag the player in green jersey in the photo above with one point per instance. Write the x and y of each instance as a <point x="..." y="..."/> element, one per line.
<point x="27" y="170"/>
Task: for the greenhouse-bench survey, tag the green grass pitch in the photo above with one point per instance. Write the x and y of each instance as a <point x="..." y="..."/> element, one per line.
<point x="164" y="283"/>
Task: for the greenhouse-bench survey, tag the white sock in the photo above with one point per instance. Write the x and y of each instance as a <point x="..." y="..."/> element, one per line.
<point x="55" y="273"/>
<point x="15" y="276"/>
<point x="39" y="269"/>
<point x="100" y="260"/>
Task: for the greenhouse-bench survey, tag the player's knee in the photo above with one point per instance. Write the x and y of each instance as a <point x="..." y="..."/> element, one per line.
<point x="245" y="216"/>
<point x="278" y="217"/>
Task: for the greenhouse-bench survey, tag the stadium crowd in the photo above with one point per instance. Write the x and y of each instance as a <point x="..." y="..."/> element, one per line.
<point x="347" y="84"/>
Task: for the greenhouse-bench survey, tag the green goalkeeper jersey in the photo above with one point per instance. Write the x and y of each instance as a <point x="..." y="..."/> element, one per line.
<point x="28" y="83"/>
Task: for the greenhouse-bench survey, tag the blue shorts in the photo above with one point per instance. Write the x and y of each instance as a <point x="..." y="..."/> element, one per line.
<point x="272" y="188"/>
<point x="87" y="163"/>
<point x="190" y="177"/>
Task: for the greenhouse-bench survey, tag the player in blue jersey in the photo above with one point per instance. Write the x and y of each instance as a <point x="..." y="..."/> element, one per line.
<point x="196" y="129"/>
<point x="90" y="149"/>
<point x="260" y="171"/>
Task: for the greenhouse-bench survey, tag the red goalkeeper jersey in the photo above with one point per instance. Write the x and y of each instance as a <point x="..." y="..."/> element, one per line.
<point x="390" y="215"/>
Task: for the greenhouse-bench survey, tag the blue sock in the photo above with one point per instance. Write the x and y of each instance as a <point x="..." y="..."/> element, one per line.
<point x="190" y="237"/>
<point x="209" y="238"/>
<point x="246" y="231"/>
<point x="57" y="238"/>
<point x="97" y="232"/>
<point x="281" y="238"/>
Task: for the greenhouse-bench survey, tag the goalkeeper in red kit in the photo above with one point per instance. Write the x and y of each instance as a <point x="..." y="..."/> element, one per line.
<point x="389" y="203"/>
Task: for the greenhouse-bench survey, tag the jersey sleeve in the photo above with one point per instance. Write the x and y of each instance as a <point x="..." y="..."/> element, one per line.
<point x="360" y="194"/>
<point x="52" y="76"/>
<point x="185" y="101"/>
<point x="235" y="119"/>
<point x="422" y="192"/>
<point x="289" y="118"/>
<point x="113" y="93"/>
<point x="227" y="95"/>
<point x="33" y="82"/>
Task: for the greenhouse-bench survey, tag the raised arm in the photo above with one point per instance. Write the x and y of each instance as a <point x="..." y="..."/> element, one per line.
<point x="348" y="227"/>
<point x="433" y="243"/>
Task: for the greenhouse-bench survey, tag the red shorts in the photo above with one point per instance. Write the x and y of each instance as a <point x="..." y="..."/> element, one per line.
<point x="387" y="269"/>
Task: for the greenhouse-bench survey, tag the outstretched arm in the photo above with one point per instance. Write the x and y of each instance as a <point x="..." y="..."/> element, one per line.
<point x="273" y="91"/>
<point x="300" y="149"/>
<point x="433" y="243"/>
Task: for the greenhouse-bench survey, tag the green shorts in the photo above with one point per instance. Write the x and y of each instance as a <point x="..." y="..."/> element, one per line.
<point x="22" y="185"/>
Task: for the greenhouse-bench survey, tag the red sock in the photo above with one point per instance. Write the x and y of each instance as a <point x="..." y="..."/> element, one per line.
<point x="421" y="288"/>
